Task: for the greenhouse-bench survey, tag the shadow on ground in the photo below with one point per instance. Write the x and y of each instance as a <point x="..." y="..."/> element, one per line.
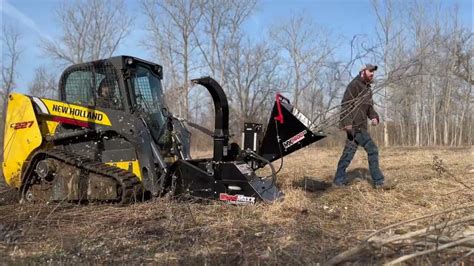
<point x="312" y="184"/>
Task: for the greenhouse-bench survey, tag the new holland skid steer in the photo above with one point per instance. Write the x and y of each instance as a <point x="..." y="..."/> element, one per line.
<point x="110" y="138"/>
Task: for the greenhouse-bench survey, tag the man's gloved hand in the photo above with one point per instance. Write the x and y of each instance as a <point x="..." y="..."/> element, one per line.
<point x="347" y="128"/>
<point x="374" y="121"/>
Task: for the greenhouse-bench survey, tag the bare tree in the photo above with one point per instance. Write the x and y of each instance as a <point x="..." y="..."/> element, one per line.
<point x="10" y="57"/>
<point x="305" y="51"/>
<point x="320" y="100"/>
<point x="220" y="31"/>
<point x="385" y="36"/>
<point x="424" y="81"/>
<point x="11" y="53"/>
<point x="43" y="84"/>
<point x="171" y="25"/>
<point x="427" y="96"/>
<point x="463" y="51"/>
<point x="253" y="79"/>
<point x="91" y="30"/>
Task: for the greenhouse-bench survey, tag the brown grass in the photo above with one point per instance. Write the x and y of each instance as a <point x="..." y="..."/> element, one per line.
<point x="306" y="228"/>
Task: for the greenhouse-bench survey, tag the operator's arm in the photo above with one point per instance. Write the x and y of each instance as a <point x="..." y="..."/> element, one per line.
<point x="348" y="104"/>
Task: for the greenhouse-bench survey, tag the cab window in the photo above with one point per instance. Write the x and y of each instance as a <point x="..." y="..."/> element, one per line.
<point x="94" y="86"/>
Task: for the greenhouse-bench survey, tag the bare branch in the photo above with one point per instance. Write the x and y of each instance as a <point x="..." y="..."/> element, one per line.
<point x="91" y="30"/>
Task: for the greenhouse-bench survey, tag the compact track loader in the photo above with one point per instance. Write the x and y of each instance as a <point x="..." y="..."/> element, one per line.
<point x="110" y="138"/>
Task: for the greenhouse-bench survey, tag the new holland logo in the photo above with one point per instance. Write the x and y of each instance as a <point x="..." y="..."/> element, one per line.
<point x="295" y="139"/>
<point x="77" y="112"/>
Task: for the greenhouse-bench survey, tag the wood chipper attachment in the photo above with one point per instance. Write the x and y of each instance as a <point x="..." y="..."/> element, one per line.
<point x="230" y="175"/>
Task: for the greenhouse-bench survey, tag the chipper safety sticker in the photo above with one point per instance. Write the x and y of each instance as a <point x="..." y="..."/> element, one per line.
<point x="295" y="139"/>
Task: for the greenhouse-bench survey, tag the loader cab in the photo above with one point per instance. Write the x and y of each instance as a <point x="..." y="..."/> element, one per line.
<point x="122" y="83"/>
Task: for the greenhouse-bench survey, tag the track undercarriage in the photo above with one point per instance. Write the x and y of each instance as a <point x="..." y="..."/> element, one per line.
<point x="58" y="175"/>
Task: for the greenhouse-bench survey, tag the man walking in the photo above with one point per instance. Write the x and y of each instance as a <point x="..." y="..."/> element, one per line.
<point x="357" y="105"/>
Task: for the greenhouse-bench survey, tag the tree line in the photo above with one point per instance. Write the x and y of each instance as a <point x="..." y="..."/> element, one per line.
<point x="423" y="88"/>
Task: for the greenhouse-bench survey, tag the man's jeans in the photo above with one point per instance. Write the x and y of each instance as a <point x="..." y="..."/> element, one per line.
<point x="363" y="139"/>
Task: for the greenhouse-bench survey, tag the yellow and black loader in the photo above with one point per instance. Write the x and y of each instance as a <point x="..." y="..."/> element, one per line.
<point x="110" y="138"/>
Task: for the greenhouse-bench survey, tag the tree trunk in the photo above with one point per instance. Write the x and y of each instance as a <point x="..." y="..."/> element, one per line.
<point x="386" y="142"/>
<point x="401" y="140"/>
<point x="417" y="122"/>
<point x="445" y="132"/>
<point x="469" y="135"/>
<point x="433" y="112"/>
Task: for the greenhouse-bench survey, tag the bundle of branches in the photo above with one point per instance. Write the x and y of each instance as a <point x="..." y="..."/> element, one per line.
<point x="451" y="238"/>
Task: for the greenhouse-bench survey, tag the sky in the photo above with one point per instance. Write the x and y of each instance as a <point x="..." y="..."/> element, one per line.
<point x="36" y="20"/>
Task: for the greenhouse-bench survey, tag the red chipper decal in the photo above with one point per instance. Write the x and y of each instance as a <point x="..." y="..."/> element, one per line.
<point x="236" y="199"/>
<point x="22" y="125"/>
<point x="295" y="139"/>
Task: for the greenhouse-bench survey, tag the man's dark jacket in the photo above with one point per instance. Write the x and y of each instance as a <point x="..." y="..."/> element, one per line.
<point x="357" y="105"/>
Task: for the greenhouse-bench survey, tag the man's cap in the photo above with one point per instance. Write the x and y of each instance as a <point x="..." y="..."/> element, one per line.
<point x="369" y="67"/>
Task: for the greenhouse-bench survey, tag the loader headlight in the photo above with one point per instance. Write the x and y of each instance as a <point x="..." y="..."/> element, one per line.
<point x="158" y="71"/>
<point x="129" y="61"/>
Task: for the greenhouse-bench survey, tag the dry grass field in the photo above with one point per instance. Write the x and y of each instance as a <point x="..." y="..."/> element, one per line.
<point x="312" y="225"/>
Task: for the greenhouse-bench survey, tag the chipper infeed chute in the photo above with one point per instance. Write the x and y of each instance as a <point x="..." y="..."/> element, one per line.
<point x="288" y="130"/>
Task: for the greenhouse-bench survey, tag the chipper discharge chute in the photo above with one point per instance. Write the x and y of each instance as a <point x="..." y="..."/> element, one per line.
<point x="110" y="138"/>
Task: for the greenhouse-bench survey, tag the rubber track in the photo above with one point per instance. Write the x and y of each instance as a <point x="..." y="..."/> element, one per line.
<point x="131" y="187"/>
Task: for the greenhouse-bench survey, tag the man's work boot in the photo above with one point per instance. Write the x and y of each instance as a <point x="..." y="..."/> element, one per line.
<point x="338" y="185"/>
<point x="386" y="185"/>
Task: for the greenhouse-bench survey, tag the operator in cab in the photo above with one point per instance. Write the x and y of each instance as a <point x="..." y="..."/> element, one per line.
<point x="106" y="97"/>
